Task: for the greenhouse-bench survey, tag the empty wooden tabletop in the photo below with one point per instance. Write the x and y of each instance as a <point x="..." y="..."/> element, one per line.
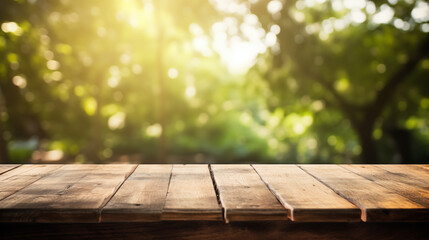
<point x="150" y="193"/>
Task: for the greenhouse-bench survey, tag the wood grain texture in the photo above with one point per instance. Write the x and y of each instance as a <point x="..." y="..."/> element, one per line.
<point x="72" y="193"/>
<point x="191" y="195"/>
<point x="423" y="166"/>
<point x="206" y="230"/>
<point x="376" y="202"/>
<point x="7" y="167"/>
<point x="409" y="174"/>
<point x="19" y="178"/>
<point x="405" y="184"/>
<point x="307" y="199"/>
<point x="93" y="193"/>
<point x="141" y="198"/>
<point x="244" y="196"/>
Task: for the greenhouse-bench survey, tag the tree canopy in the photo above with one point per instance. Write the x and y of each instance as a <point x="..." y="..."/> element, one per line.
<point x="214" y="81"/>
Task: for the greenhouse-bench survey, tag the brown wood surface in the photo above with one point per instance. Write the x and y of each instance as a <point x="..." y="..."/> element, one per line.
<point x="191" y="195"/>
<point x="422" y="166"/>
<point x="145" y="193"/>
<point x="404" y="184"/>
<point x="141" y="198"/>
<point x="7" y="167"/>
<point x="305" y="197"/>
<point x="19" y="178"/>
<point x="410" y="174"/>
<point x="72" y="193"/>
<point x="376" y="202"/>
<point x="244" y="196"/>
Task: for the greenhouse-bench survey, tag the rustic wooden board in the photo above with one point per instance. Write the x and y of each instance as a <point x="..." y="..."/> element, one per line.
<point x="191" y="195"/>
<point x="425" y="167"/>
<point x="141" y="198"/>
<point x="307" y="199"/>
<point x="244" y="196"/>
<point x="72" y="193"/>
<point x="410" y="174"/>
<point x="7" y="167"/>
<point x="93" y="193"/>
<point x="377" y="203"/>
<point x="19" y="178"/>
<point x="404" y="184"/>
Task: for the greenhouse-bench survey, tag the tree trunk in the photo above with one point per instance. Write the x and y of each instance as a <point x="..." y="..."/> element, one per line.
<point x="162" y="148"/>
<point x="96" y="140"/>
<point x="4" y="156"/>
<point x="403" y="142"/>
<point x="23" y="121"/>
<point x="367" y="143"/>
<point x="4" y="152"/>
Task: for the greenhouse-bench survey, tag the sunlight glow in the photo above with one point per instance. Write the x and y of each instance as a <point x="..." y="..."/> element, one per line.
<point x="190" y="91"/>
<point x="357" y="16"/>
<point x="421" y="12"/>
<point x="384" y="15"/>
<point x="238" y="45"/>
<point x="231" y="6"/>
<point x="117" y="121"/>
<point x="298" y="128"/>
<point x="425" y="27"/>
<point x="239" y="53"/>
<point x="11" y="27"/>
<point x="274" y="6"/>
<point x="173" y="73"/>
<point x="275" y="29"/>
<point x="19" y="81"/>
<point x="52" y="65"/>
<point x="154" y="130"/>
<point x="354" y="4"/>
<point x="270" y="39"/>
<point x="113" y="81"/>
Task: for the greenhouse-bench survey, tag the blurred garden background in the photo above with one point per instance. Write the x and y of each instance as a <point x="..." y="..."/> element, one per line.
<point x="218" y="81"/>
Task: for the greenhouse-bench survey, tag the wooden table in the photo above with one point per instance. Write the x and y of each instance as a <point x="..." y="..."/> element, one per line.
<point x="214" y="201"/>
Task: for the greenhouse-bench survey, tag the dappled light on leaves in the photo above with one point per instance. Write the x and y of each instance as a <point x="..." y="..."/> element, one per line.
<point x="303" y="81"/>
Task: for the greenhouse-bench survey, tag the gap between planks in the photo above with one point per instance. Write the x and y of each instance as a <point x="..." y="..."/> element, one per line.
<point x="393" y="207"/>
<point x="217" y="192"/>
<point x="324" y="205"/>
<point x="288" y="207"/>
<point x="116" y="190"/>
<point x="13" y="166"/>
<point x="244" y="196"/>
<point x="168" y="188"/>
<point x="191" y="195"/>
<point x="339" y="193"/>
<point x="142" y="197"/>
<point x="409" y="187"/>
<point x="63" y="205"/>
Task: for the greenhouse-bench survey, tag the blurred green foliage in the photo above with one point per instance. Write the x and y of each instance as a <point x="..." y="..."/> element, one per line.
<point x="221" y="81"/>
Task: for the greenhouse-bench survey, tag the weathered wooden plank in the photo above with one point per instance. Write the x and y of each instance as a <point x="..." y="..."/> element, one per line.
<point x="424" y="166"/>
<point x="244" y="196"/>
<point x="141" y="198"/>
<point x="191" y="195"/>
<point x="19" y="178"/>
<point x="7" y="167"/>
<point x="404" y="184"/>
<point x="377" y="203"/>
<point x="307" y="199"/>
<point x="72" y="193"/>
<point x="409" y="174"/>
